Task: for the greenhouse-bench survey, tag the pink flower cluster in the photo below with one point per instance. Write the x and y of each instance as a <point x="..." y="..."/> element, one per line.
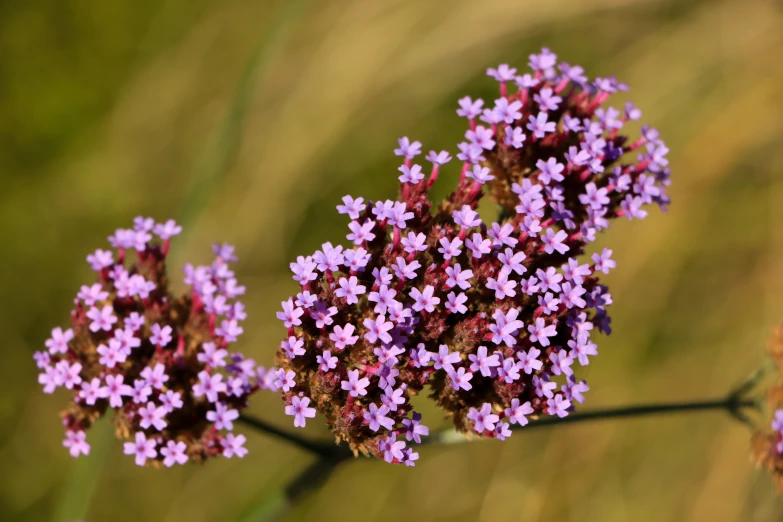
<point x="160" y="362"/>
<point x="493" y="316"/>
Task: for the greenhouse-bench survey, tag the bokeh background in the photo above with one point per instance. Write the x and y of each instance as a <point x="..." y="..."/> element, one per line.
<point x="249" y="120"/>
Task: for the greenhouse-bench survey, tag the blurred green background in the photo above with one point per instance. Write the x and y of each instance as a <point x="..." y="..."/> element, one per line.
<point x="113" y="109"/>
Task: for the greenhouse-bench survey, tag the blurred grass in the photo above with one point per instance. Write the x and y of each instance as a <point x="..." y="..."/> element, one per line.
<point x="105" y="109"/>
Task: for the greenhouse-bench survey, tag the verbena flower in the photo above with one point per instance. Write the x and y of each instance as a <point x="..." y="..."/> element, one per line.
<point x="494" y="317"/>
<point x="767" y="444"/>
<point x="159" y="361"/>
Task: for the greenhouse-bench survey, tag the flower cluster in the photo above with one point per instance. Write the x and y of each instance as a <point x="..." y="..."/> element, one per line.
<point x="160" y="362"/>
<point x="767" y="446"/>
<point x="494" y="317"/>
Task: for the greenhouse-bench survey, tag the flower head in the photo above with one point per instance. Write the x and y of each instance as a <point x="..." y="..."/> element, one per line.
<point x="491" y="317"/>
<point x="156" y="359"/>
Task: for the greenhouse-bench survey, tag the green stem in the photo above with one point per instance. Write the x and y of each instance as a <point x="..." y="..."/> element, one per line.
<point x="318" y="448"/>
<point x="732" y="405"/>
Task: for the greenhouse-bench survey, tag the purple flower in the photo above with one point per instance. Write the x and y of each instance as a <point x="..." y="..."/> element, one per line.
<point x="223" y="417"/>
<point x="354" y="385"/>
<point x="326" y="361"/>
<point x="561" y="363"/>
<point x="290" y="314"/>
<point x="481" y="362"/>
<point x="174" y="453"/>
<point x="445" y="359"/>
<point x="51" y="379"/>
<point x="171" y="400"/>
<point x="516" y="412"/>
<point x="506" y="327"/>
<point x="460" y="379"/>
<point x="343" y="336"/>
<point x="466" y="217"/>
<point x="284" y="379"/>
<point x="140" y="391"/>
<point x="392" y="448"/>
<point x="546" y="100"/>
<point x="481" y="137"/>
<point x="571" y="295"/>
<point x="594" y="197"/>
<point x="549" y="279"/>
<point x="229" y="330"/>
<point x="575" y="272"/>
<point x="322" y="315"/>
<point x="451" y="248"/>
<point x="160" y="336"/>
<point x="234" y="445"/>
<point x="91" y="294"/>
<point x="76" y="442"/>
<point x="58" y="342"/>
<point x="414" y="243"/>
<point x="293" y="347"/>
<point x="410" y="174"/>
<point x="376" y="329"/>
<point x="502" y="286"/>
<point x="352" y="207"/>
<point x="155" y="377"/>
<point x="558" y="406"/>
<point x="468" y="108"/>
<point x="361" y="232"/>
<point x="508" y="370"/>
<point x="100" y="259"/>
<point x="550" y="170"/>
<point x="152" y="415"/>
<point x="405" y="270"/>
<point x="384" y="297"/>
<point x="167" y="230"/>
<point x="376" y="417"/>
<point x="515" y="137"/>
<point x="540" y="331"/>
<point x="115" y="390"/>
<point x="539" y="125"/>
<point x="543" y="386"/>
<point x="91" y="391"/>
<point x="69" y="374"/>
<point x="554" y="241"/>
<point x="503" y="73"/>
<point x="507" y="112"/>
<point x="111" y="355"/>
<point x="211" y="355"/>
<point x="142" y="448"/>
<point x="573" y="390"/>
<point x="502" y="431"/>
<point x="455" y="303"/>
<point x="483" y="419"/>
<point x="350" y="289"/>
<point x="423" y="300"/>
<point x="303" y="270"/>
<point x="414" y="430"/>
<point x="393" y="398"/>
<point x="458" y="277"/>
<point x="501" y="235"/>
<point x="209" y="386"/>
<point x="408" y="149"/>
<point x="102" y="319"/>
<point x="478" y="245"/>
<point x="603" y="261"/>
<point x="480" y="174"/>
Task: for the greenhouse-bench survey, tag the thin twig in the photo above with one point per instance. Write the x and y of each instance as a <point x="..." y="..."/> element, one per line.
<point x="733" y="406"/>
<point x="321" y="449"/>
